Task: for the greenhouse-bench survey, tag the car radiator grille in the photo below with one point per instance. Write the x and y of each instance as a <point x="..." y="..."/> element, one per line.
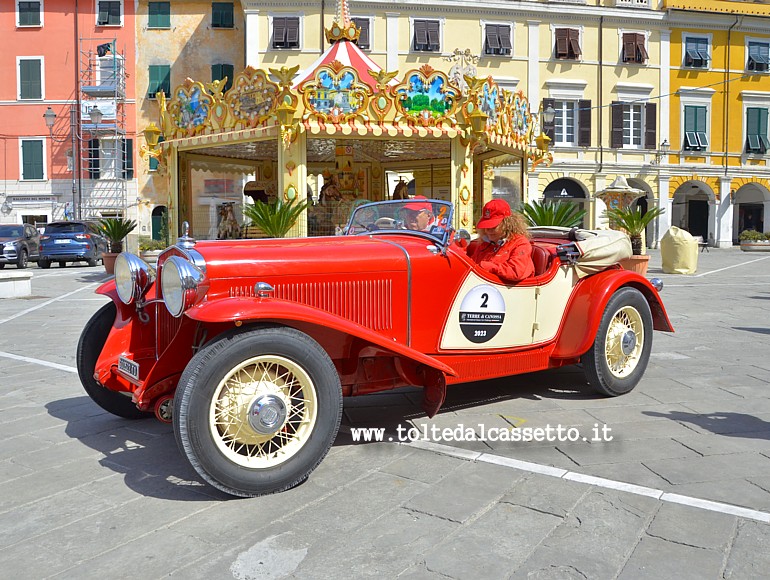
<point x="166" y="327"/>
<point x="365" y="302"/>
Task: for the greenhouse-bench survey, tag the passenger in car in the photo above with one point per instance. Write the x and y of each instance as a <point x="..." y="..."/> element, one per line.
<point x="503" y="246"/>
<point x="418" y="214"/>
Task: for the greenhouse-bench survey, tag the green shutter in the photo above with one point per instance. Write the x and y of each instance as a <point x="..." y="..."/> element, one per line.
<point x="29" y="13"/>
<point x="160" y="80"/>
<point x="752" y="121"/>
<point x="221" y="15"/>
<point x="153" y="161"/>
<point x="220" y="71"/>
<point x="159" y="15"/>
<point x="32" y="160"/>
<point x="689" y="119"/>
<point x="128" y="158"/>
<point x="30" y="79"/>
<point x="701" y="119"/>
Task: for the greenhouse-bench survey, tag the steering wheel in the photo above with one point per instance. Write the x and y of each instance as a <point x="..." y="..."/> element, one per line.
<point x="386" y="223"/>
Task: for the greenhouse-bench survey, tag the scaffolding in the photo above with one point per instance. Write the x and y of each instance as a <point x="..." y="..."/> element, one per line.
<point x="104" y="162"/>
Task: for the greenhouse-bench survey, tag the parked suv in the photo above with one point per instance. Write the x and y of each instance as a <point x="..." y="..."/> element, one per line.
<point x="73" y="241"/>
<point x="19" y="243"/>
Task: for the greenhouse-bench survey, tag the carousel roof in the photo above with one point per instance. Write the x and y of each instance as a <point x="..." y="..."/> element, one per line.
<point x="347" y="54"/>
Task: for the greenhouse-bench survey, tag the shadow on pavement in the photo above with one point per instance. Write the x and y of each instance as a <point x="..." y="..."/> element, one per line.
<point x="144" y="451"/>
<point x="749" y="329"/>
<point x="728" y="424"/>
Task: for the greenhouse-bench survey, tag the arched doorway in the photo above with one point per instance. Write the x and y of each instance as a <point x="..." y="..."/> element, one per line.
<point x="160" y="223"/>
<point x="567" y="190"/>
<point x="751" y="210"/>
<point x="692" y="209"/>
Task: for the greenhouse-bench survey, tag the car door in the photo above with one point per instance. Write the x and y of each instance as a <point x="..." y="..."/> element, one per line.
<point x="32" y="238"/>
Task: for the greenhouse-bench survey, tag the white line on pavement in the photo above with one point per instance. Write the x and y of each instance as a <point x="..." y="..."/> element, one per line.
<point x="730" y="267"/>
<point x="37" y="361"/>
<point x="661" y="495"/>
<point x="47" y="302"/>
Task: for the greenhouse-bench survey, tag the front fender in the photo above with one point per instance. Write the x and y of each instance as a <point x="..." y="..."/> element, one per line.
<point x="246" y="309"/>
<point x="586" y="306"/>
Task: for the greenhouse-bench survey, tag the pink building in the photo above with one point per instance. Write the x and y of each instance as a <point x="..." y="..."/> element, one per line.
<point x="71" y="59"/>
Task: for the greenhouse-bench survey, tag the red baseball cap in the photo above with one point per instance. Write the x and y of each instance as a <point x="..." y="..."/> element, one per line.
<point x="418" y="205"/>
<point x="493" y="213"/>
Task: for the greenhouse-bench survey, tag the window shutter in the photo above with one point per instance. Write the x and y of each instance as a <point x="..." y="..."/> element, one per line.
<point x="573" y="35"/>
<point x="689" y="119"/>
<point x="616" y="125"/>
<point x="153" y="161"/>
<point x="279" y="32"/>
<point x="505" y="38"/>
<point x="493" y="39"/>
<point x="584" y="123"/>
<point x="420" y="34"/>
<point x="228" y="71"/>
<point x="216" y="72"/>
<point x="650" y="123"/>
<point x="30" y="77"/>
<point x="700" y="122"/>
<point x="549" y="128"/>
<point x="32" y="160"/>
<point x="292" y="33"/>
<point x="562" y="43"/>
<point x="641" y="54"/>
<point x="629" y="47"/>
<point x="363" y="39"/>
<point x="433" y="35"/>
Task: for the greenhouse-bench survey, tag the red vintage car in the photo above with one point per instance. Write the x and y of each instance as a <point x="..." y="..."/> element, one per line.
<point x="248" y="346"/>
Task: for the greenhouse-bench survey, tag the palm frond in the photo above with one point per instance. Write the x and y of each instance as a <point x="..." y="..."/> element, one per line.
<point x="275" y="218"/>
<point x="631" y="220"/>
<point x="553" y="213"/>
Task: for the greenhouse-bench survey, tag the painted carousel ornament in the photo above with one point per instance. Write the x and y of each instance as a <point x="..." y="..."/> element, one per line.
<point x="464" y="66"/>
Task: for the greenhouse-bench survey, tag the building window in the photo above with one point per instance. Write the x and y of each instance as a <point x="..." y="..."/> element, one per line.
<point x="109" y="13"/>
<point x="159" y="15"/>
<point x="160" y="80"/>
<point x="426" y="36"/>
<point x="633" y="47"/>
<point x="696" y="53"/>
<point x="127" y="146"/>
<point x="30" y="78"/>
<point x="567" y="45"/>
<point x="364" y="24"/>
<point x="32" y="159"/>
<point x="286" y="32"/>
<point x="221" y="71"/>
<point x="29" y="13"/>
<point x="497" y="39"/>
<point x="756" y="130"/>
<point x="565" y="123"/>
<point x="695" y="138"/>
<point x="759" y="56"/>
<point x="222" y="15"/>
<point x="633" y="125"/>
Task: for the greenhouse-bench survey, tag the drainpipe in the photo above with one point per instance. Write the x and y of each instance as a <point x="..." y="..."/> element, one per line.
<point x="323" y="36"/>
<point x="601" y="93"/>
<point x="726" y="121"/>
<point x="75" y="120"/>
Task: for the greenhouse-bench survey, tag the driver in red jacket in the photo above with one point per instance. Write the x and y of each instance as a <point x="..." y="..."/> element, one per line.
<point x="503" y="246"/>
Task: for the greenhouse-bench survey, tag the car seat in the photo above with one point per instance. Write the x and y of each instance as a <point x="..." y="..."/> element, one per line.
<point x="541" y="259"/>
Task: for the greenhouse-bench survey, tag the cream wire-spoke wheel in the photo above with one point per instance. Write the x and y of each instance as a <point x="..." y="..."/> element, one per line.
<point x="621" y="349"/>
<point x="263" y="412"/>
<point x="623" y="345"/>
<point x="256" y="410"/>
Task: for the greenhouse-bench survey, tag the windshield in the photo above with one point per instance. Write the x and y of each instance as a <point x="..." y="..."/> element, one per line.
<point x="65" y="228"/>
<point x="429" y="217"/>
<point x="10" y="231"/>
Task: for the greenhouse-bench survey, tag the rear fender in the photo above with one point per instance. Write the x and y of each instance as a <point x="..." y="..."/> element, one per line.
<point x="586" y="306"/>
<point x="249" y="310"/>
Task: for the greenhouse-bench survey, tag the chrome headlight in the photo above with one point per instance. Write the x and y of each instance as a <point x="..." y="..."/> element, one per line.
<point x="133" y="277"/>
<point x="180" y="282"/>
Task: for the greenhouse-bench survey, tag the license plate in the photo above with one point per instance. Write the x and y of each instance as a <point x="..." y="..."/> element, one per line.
<point x="128" y="368"/>
<point x="61" y="241"/>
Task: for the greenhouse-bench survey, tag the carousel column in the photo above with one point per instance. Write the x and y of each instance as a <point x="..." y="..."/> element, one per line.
<point x="292" y="177"/>
<point x="462" y="183"/>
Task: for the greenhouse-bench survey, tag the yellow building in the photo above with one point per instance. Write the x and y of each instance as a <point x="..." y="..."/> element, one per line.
<point x="719" y="178"/>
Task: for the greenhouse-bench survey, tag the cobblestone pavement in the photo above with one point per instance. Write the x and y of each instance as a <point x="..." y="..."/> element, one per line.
<point x="681" y="491"/>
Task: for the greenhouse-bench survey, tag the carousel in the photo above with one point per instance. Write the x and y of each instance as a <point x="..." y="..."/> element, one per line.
<point x="342" y="131"/>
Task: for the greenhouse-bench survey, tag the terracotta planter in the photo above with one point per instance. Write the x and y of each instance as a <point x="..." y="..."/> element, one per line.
<point x="636" y="264"/>
<point x="151" y="256"/>
<point x="108" y="260"/>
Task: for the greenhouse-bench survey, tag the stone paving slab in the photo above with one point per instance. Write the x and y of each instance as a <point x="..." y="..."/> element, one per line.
<point x="86" y="495"/>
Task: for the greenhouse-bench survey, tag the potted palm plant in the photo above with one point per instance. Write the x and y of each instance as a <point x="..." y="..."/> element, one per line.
<point x="275" y="218"/>
<point x="115" y="229"/>
<point x="553" y="213"/>
<point x="633" y="222"/>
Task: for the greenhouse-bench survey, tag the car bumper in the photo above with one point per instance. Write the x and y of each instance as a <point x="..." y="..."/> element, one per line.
<point x="68" y="253"/>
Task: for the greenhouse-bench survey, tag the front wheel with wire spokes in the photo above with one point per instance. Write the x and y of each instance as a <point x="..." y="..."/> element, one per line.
<point x="618" y="357"/>
<point x="256" y="411"/>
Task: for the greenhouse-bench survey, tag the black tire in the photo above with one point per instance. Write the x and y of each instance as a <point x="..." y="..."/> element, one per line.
<point x="43" y="263"/>
<point x="627" y="313"/>
<point x="91" y="262"/>
<point x="62" y="264"/>
<point x="90" y="345"/>
<point x="2" y="265"/>
<point x="302" y="390"/>
<point x="23" y="260"/>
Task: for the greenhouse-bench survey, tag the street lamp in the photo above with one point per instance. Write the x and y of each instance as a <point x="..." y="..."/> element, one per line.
<point x="96" y="116"/>
<point x="664" y="147"/>
<point x="50" y="120"/>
